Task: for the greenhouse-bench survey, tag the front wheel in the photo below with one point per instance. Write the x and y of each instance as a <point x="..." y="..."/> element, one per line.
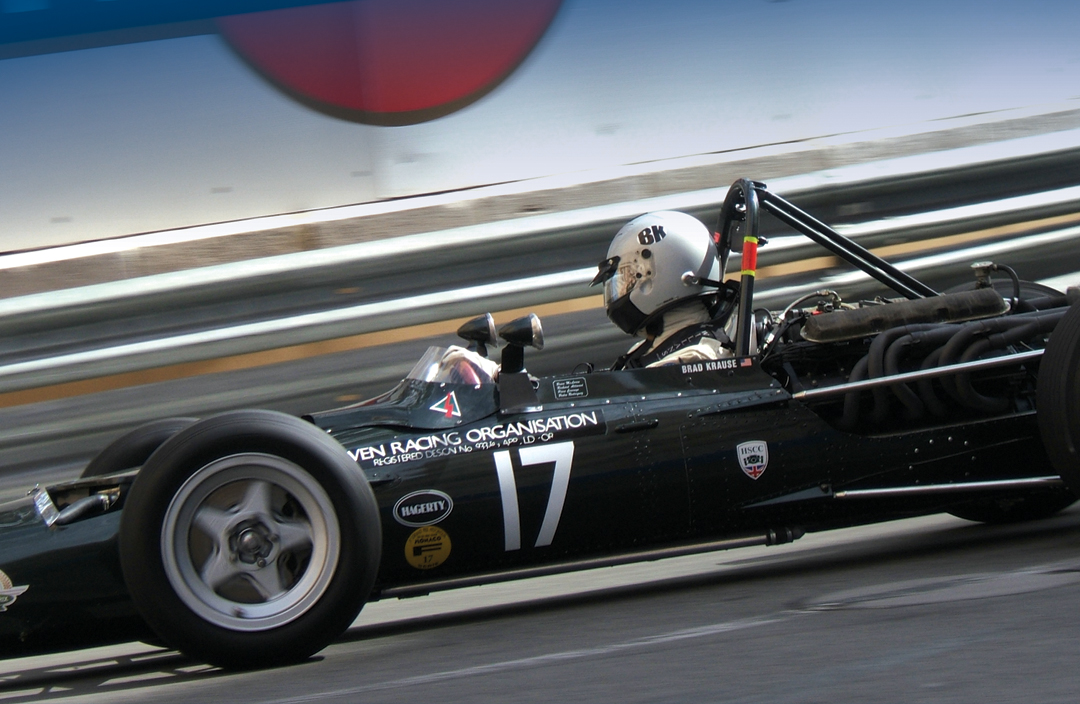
<point x="250" y="539"/>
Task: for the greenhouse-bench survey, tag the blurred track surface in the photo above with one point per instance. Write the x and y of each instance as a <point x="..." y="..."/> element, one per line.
<point x="930" y="609"/>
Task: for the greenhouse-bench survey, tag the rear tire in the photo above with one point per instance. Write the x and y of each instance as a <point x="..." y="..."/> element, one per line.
<point x="1015" y="509"/>
<point x="1058" y="398"/>
<point x="132" y="449"/>
<point x="250" y="539"/>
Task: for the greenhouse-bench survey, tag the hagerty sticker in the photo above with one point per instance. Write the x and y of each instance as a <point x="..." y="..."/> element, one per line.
<point x="402" y="450"/>
<point x="427" y="548"/>
<point x="423" y="508"/>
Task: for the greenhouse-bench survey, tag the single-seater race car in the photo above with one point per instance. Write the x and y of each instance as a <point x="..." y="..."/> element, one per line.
<point x="253" y="538"/>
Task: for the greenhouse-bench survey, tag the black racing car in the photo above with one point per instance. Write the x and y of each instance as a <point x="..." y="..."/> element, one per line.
<point x="253" y="538"/>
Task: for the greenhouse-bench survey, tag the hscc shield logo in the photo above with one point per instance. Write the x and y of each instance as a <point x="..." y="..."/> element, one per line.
<point x="753" y="457"/>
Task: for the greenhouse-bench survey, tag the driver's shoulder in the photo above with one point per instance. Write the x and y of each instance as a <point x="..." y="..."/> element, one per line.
<point x="705" y="349"/>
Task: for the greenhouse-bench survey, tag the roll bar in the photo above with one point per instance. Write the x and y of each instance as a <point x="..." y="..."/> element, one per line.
<point x="738" y="231"/>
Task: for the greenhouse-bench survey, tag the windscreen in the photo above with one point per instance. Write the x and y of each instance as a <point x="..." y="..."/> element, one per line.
<point x="453" y="365"/>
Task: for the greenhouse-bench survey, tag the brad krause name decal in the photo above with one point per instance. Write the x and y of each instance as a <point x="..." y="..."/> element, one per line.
<point x="489" y="437"/>
<point x="716" y="365"/>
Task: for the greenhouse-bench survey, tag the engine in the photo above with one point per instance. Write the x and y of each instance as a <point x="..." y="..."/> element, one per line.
<point x="833" y="342"/>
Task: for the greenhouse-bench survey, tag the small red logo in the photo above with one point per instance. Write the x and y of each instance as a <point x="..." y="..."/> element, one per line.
<point x="448" y="406"/>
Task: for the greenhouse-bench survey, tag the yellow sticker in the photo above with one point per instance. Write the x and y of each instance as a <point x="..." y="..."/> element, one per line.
<point x="427" y="547"/>
<point x="8" y="591"/>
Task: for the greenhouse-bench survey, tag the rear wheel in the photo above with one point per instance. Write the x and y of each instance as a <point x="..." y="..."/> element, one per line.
<point x="1058" y="404"/>
<point x="250" y="539"/>
<point x="1015" y="509"/>
<point x="132" y="449"/>
<point x="1058" y="398"/>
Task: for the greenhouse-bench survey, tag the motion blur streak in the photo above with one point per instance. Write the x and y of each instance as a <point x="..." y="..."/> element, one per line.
<point x="277" y="356"/>
<point x="541" y="660"/>
<point x="941" y="250"/>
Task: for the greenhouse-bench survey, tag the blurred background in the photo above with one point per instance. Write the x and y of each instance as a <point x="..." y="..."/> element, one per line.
<point x="206" y="205"/>
<point x="116" y="132"/>
<point x="214" y="205"/>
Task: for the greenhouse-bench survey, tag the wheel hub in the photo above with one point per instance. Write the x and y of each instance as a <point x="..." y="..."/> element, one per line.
<point x="252" y="544"/>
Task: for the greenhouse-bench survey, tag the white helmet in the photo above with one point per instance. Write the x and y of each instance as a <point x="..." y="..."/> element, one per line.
<point x="646" y="261"/>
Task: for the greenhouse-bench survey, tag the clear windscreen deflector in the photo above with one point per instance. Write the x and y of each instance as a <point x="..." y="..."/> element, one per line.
<point x="445" y="388"/>
<point x="452" y="365"/>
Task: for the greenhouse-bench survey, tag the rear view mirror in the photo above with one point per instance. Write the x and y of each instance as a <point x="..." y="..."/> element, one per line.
<point x="738" y="217"/>
<point x="524" y="332"/>
<point x="732" y="224"/>
<point x="481" y="331"/>
<point x="734" y="234"/>
<point x="519" y="334"/>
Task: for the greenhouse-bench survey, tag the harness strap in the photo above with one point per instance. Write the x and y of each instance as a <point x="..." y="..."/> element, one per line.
<point x="643" y="355"/>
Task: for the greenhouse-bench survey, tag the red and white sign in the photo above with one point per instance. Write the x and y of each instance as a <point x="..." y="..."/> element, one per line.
<point x="448" y="406"/>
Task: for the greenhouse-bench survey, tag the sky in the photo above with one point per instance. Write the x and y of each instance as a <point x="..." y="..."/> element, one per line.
<point x="182" y="129"/>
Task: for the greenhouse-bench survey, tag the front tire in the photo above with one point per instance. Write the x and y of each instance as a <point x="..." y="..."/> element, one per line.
<point x="250" y="539"/>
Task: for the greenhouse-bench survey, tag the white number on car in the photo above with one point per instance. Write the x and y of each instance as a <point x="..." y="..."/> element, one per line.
<point x="562" y="454"/>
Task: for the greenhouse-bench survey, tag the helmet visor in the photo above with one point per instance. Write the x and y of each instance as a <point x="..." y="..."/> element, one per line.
<point x="621" y="283"/>
<point x="605" y="270"/>
<point x="617" y="290"/>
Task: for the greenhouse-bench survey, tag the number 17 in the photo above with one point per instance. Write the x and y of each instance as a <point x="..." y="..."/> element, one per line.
<point x="562" y="454"/>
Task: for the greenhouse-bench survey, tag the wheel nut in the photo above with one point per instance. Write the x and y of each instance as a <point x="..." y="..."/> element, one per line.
<point x="260" y="562"/>
<point x="250" y="541"/>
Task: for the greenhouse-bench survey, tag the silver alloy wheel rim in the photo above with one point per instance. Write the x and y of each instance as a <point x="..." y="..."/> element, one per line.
<point x="214" y="545"/>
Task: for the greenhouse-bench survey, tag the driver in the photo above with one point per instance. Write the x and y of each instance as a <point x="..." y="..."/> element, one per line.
<point x="645" y="294"/>
<point x="467" y="367"/>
